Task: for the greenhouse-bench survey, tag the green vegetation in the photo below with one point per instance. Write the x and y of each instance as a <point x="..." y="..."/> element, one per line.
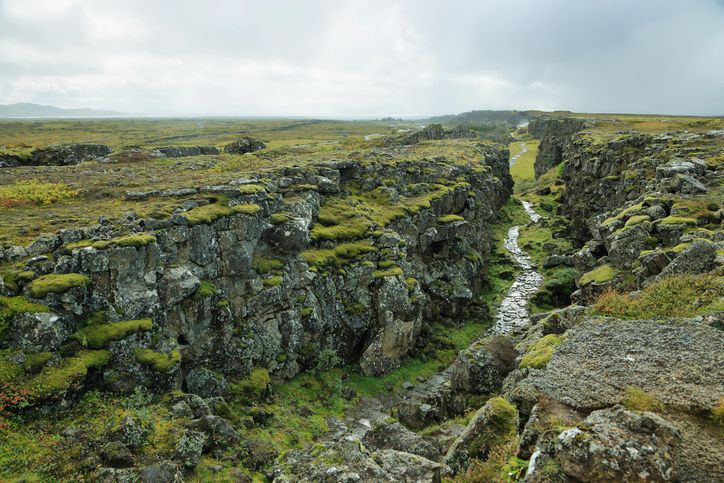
<point x="11" y="306"/>
<point x="158" y="361"/>
<point x="677" y="220"/>
<point x="251" y="189"/>
<point x="56" y="283"/>
<point x="206" y="289"/>
<point x="279" y="218"/>
<point x="54" y="380"/>
<point x="340" y="255"/>
<point x="100" y="335"/>
<point x="449" y="219"/>
<point x="211" y="213"/>
<point x="273" y="281"/>
<point x="639" y="400"/>
<point x="637" y="219"/>
<point x="391" y="272"/>
<point x="602" y="274"/>
<point x="34" y="192"/>
<point x="254" y="385"/>
<point x="501" y="430"/>
<point x="674" y="296"/>
<point x="136" y="240"/>
<point x="267" y="265"/>
<point x="522" y="170"/>
<point x="540" y="353"/>
<point x="717" y="413"/>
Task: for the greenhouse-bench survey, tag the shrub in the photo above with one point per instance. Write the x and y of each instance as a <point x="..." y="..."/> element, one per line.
<point x="34" y="192"/>
<point x="56" y="283"/>
<point x="328" y="359"/>
<point x="675" y="296"/>
<point x="540" y="353"/>
<point x="158" y="361"/>
<point x="98" y="336"/>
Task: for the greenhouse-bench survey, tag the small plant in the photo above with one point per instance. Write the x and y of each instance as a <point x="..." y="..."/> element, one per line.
<point x="34" y="192"/>
<point x="639" y="400"/>
<point x="328" y="359"/>
<point x="11" y="399"/>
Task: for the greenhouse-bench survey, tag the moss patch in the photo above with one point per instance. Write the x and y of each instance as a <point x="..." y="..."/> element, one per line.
<point x="98" y="336"/>
<point x="211" y="213"/>
<point x="11" y="306"/>
<point x="206" y="289"/>
<point x="449" y="219"/>
<point x="391" y="272"/>
<point x="54" y="380"/>
<point x="602" y="274"/>
<point x="273" y="281"/>
<point x="340" y="255"/>
<point x="158" y="361"/>
<point x="639" y="400"/>
<point x="677" y="220"/>
<point x="56" y="283"/>
<point x="540" y="353"/>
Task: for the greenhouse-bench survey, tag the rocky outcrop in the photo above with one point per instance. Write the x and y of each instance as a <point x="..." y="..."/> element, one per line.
<point x="437" y="131"/>
<point x="56" y="155"/>
<point x="183" y="151"/>
<point x="244" y="145"/>
<point x="223" y="290"/>
<point x="554" y="135"/>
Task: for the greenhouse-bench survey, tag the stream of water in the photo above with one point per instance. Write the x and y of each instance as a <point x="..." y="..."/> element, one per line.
<point x="513" y="311"/>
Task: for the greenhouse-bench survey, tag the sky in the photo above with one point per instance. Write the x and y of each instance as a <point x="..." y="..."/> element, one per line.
<point x="357" y="58"/>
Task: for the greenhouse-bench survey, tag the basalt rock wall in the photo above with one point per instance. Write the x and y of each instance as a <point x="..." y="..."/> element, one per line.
<point x="253" y="287"/>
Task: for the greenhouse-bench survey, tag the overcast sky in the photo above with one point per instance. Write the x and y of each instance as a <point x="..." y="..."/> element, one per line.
<point x="364" y="58"/>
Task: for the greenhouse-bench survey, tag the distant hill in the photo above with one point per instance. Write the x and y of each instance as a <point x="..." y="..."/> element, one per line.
<point x="485" y="117"/>
<point x="26" y="109"/>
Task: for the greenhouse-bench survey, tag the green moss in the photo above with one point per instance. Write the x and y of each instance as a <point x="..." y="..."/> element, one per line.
<point x="267" y="265"/>
<point x="158" y="361"/>
<point x="279" y="218"/>
<point x="251" y="189"/>
<point x="386" y="264"/>
<point x="639" y="400"/>
<point x="449" y="219"/>
<point x="411" y="283"/>
<point x="206" y="289"/>
<point x="273" y="281"/>
<point x="540" y="353"/>
<point x="98" y="336"/>
<point x="717" y="412"/>
<point x="339" y="255"/>
<point x="135" y="240"/>
<point x="392" y="272"/>
<point x="307" y="311"/>
<point x="503" y="418"/>
<point x="11" y="306"/>
<point x="55" y="380"/>
<point x="677" y="220"/>
<point x="56" y="283"/>
<point x="210" y="213"/>
<point x="602" y="274"/>
<point x="357" y="309"/>
<point x="254" y="385"/>
<point x="637" y="219"/>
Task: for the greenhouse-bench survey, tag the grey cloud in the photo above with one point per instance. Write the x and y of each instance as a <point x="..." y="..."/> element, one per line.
<point x="324" y="57"/>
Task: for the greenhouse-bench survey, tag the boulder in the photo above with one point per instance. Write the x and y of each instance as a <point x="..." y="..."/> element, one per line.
<point x="68" y="154"/>
<point x="163" y="472"/>
<point x="699" y="257"/>
<point x="220" y="432"/>
<point x="626" y="244"/>
<point x="117" y="455"/>
<point x="190" y="447"/>
<point x="393" y="435"/>
<point x="482" y="367"/>
<point x="618" y="445"/>
<point x="688" y="185"/>
<point x="206" y="383"/>
<point x="494" y="424"/>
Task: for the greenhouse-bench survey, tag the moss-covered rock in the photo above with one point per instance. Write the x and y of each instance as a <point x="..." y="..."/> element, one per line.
<point x="158" y="361"/>
<point x="100" y="335"/>
<point x="56" y="283"/>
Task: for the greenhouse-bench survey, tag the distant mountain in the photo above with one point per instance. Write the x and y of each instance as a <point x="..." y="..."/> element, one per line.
<point x="26" y="109"/>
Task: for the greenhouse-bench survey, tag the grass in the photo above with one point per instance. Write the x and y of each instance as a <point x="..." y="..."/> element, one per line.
<point x="637" y="399"/>
<point x="100" y="335"/>
<point x="340" y="255"/>
<point x="674" y="296"/>
<point x="540" y="353"/>
<point x="34" y="192"/>
<point x="158" y="361"/>
<point x="56" y="283"/>
<point x="522" y="170"/>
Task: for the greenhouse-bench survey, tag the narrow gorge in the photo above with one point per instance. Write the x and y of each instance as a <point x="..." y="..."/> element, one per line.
<point x="367" y="306"/>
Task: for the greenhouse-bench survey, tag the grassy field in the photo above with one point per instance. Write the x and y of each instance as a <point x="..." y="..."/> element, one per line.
<point x="522" y="170"/>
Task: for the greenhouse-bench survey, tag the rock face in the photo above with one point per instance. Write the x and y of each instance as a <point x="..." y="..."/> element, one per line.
<point x="244" y="145"/>
<point x="68" y="154"/>
<point x="676" y="361"/>
<point x="254" y="288"/>
<point x="482" y="367"/>
<point x="554" y="134"/>
<point x="437" y="131"/>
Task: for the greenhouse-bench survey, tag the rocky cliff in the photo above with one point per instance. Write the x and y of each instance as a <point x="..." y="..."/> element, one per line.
<point x="343" y="261"/>
<point x="554" y="134"/>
